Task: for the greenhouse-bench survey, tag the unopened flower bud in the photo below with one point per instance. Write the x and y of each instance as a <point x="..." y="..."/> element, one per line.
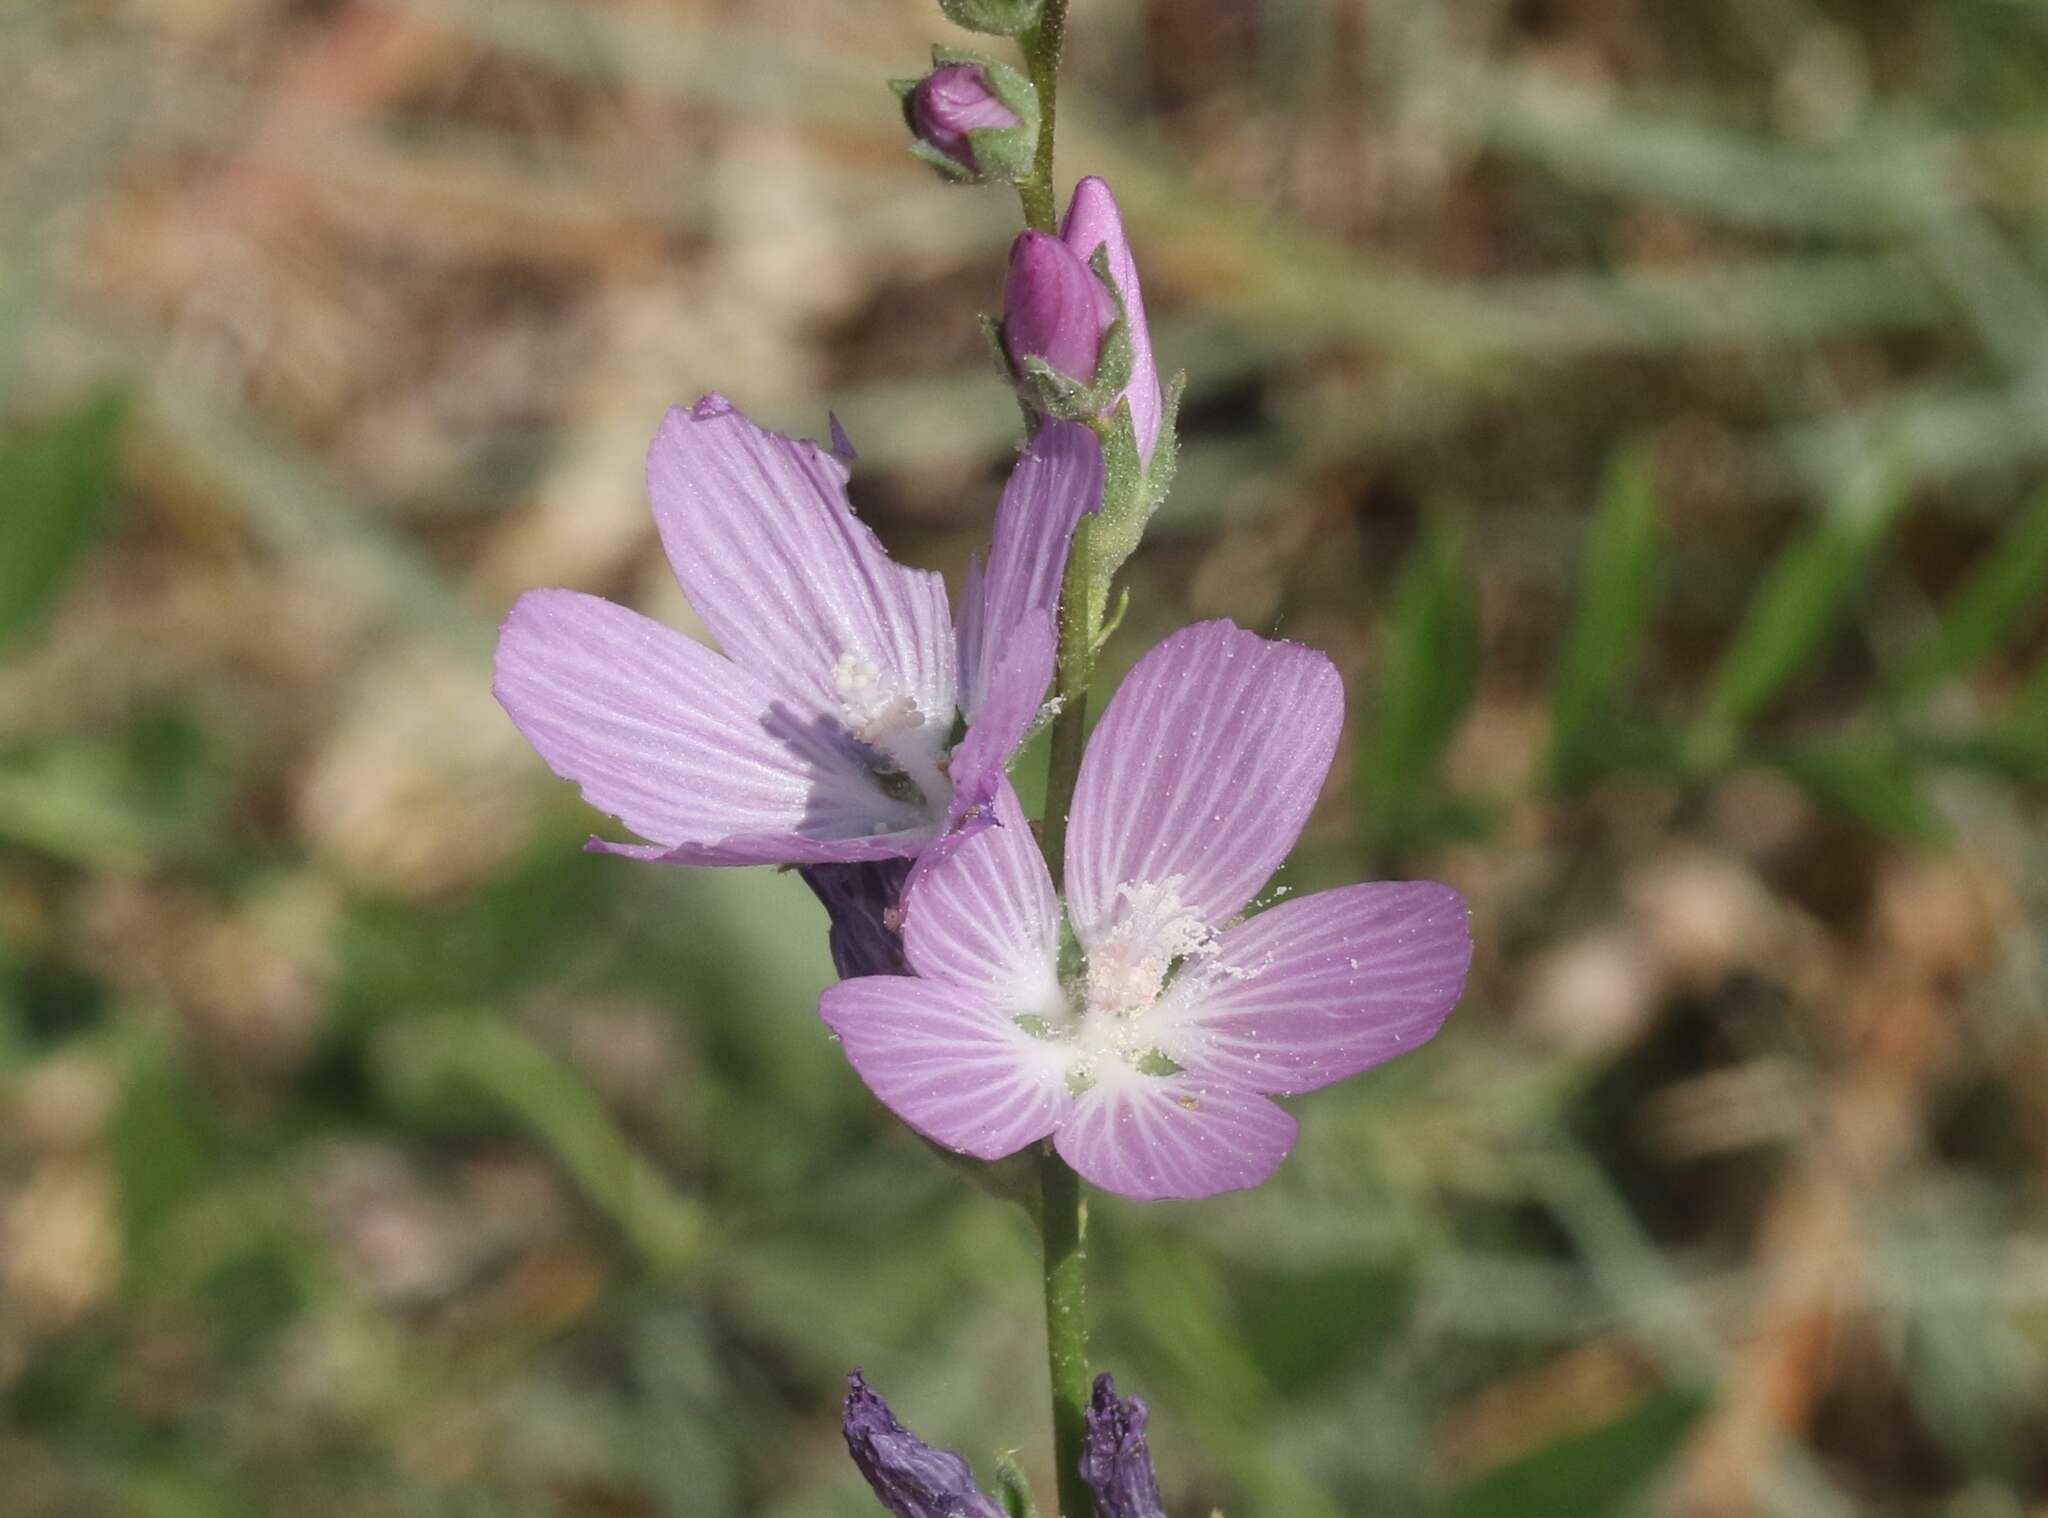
<point x="912" y="1479"/>
<point x="1115" y="1459"/>
<point x="1093" y="222"/>
<point x="1054" y="308"/>
<point x="972" y="118"/>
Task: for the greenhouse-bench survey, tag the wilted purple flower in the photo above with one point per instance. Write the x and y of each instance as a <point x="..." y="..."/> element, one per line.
<point x="912" y="1479"/>
<point x="824" y="732"/>
<point x="952" y="101"/>
<point x="1115" y="1460"/>
<point x="1151" y="1067"/>
<point x="863" y="902"/>
<point x="1054" y="308"/>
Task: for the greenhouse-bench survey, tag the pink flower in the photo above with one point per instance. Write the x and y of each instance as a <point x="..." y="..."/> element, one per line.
<point x="824" y="733"/>
<point x="1151" y="1064"/>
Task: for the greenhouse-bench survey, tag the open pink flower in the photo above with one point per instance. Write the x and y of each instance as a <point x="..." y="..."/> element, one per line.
<point x="1151" y="1063"/>
<point x="825" y="730"/>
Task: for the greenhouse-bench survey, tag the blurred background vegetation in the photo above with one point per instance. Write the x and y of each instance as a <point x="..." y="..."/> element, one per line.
<point x="1644" y="401"/>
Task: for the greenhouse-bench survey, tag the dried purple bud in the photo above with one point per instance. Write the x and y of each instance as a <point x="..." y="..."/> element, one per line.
<point x="1115" y="1461"/>
<point x="912" y="1479"/>
<point x="952" y="101"/>
<point x="863" y="903"/>
<point x="1054" y="308"/>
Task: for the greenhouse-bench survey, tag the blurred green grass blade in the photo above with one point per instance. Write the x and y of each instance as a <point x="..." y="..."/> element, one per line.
<point x="664" y="1227"/>
<point x="1870" y="783"/>
<point x="54" y="488"/>
<point x="165" y="1140"/>
<point x="1303" y="1331"/>
<point x="1986" y="611"/>
<point x="1429" y="674"/>
<point x="2015" y="750"/>
<point x="1618" y="592"/>
<point x="1803" y="598"/>
<point x="1587" y="1475"/>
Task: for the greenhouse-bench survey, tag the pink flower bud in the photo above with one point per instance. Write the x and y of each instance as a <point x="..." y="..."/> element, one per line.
<point x="1054" y="308"/>
<point x="1093" y="221"/>
<point x="952" y="101"/>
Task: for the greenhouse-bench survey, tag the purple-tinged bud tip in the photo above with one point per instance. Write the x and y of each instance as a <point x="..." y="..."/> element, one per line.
<point x="1115" y="1460"/>
<point x="952" y="101"/>
<point x="912" y="1479"/>
<point x="1054" y="308"/>
<point x="1094" y="221"/>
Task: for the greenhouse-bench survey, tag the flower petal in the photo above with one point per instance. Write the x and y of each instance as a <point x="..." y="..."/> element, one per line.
<point x="1015" y="696"/>
<point x="1093" y="221"/>
<point x="1155" y="1137"/>
<point x="1324" y="987"/>
<point x="1205" y="766"/>
<point x="763" y="539"/>
<point x="681" y="745"/>
<point x="949" y="1062"/>
<point x="1057" y="481"/>
<point x="980" y="914"/>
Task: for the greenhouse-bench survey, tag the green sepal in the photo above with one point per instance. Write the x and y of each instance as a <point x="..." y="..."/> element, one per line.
<point x="997" y="18"/>
<point x="951" y="168"/>
<point x="1011" y="1487"/>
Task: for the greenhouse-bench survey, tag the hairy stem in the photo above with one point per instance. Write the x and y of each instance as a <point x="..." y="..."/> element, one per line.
<point x="1064" y="1222"/>
<point x="1042" y="62"/>
<point x="1063" y="1216"/>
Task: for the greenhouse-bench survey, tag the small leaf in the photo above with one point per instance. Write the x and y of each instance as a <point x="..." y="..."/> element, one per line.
<point x="1000" y="18"/>
<point x="1803" y="598"/>
<point x="1587" y="1475"/>
<point x="54" y="486"/>
<point x="1013" y="1489"/>
<point x="1986" y="611"/>
<point x="1428" y="677"/>
<point x="1618" y="592"/>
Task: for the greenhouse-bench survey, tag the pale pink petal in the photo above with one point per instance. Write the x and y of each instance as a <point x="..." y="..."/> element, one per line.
<point x="1056" y="481"/>
<point x="1093" y="221"/>
<point x="1015" y="695"/>
<point x="760" y="533"/>
<point x="1205" y="766"/>
<point x="1173" y="1136"/>
<point x="951" y="1064"/>
<point x="983" y="916"/>
<point x="1321" y="988"/>
<point x="681" y="745"/>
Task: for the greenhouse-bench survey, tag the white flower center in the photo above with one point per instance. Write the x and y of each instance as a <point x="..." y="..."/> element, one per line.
<point x="1155" y="931"/>
<point x="889" y="721"/>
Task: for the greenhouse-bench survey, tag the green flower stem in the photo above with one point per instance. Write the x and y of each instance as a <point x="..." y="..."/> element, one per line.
<point x="1062" y="1215"/>
<point x="1063" y="1224"/>
<point x="1042" y="62"/>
